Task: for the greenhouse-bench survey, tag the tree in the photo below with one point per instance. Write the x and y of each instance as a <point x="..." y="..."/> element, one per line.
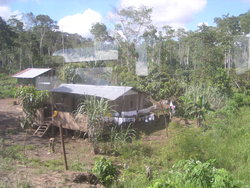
<point x="7" y="37"/>
<point x="128" y="32"/>
<point x="229" y="24"/>
<point x="43" y="25"/>
<point x="245" y="22"/>
<point x="132" y="23"/>
<point x="99" y="30"/>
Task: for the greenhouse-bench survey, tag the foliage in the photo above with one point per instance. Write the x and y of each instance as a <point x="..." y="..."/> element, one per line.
<point x="99" y="30"/>
<point x="7" y="86"/>
<point x="31" y="100"/>
<point x="68" y="73"/>
<point x="233" y="104"/>
<point x="121" y="135"/>
<point x="117" y="139"/>
<point x="222" y="82"/>
<point x="96" y="109"/>
<point x="199" y="109"/>
<point x="160" y="85"/>
<point x="210" y="93"/>
<point x="225" y="132"/>
<point x="105" y="171"/>
<point x="191" y="173"/>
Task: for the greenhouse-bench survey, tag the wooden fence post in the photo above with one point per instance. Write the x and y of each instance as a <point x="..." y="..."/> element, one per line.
<point x="63" y="148"/>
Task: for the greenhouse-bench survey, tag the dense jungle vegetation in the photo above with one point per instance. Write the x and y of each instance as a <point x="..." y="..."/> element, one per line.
<point x="197" y="69"/>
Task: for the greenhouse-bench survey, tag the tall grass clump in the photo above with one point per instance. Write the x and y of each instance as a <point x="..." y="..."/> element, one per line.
<point x="212" y="95"/>
<point x="95" y="109"/>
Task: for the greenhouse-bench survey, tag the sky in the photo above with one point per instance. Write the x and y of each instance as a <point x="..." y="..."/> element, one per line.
<point x="77" y="16"/>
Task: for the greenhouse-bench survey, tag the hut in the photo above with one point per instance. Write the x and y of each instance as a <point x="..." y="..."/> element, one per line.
<point x="127" y="103"/>
<point x="41" y="78"/>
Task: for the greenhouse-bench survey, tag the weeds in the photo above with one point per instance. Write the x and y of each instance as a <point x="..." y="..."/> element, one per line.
<point x="105" y="171"/>
<point x="78" y="166"/>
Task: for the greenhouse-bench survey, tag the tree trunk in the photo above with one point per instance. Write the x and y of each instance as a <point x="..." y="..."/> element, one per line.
<point x="41" y="43"/>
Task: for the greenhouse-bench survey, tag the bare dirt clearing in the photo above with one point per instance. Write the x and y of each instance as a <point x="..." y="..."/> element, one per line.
<point x="37" y="167"/>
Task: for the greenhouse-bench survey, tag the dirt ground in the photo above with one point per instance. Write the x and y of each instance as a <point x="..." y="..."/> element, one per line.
<point x="37" y="150"/>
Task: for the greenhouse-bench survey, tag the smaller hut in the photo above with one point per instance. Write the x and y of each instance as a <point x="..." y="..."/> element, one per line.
<point x="41" y="78"/>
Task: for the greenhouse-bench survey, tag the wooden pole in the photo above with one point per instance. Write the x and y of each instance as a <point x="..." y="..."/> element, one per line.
<point x="63" y="148"/>
<point x="166" y="123"/>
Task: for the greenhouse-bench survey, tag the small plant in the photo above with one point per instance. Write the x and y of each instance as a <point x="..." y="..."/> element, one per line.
<point x="105" y="171"/>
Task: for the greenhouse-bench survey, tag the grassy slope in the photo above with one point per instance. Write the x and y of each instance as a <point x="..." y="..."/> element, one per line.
<point x="226" y="140"/>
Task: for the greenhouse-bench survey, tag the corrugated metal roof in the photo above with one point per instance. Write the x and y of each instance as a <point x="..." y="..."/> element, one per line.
<point x="107" y="92"/>
<point x="30" y="73"/>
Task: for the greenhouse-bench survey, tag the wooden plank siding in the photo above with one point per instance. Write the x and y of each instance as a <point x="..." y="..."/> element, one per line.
<point x="67" y="121"/>
<point x="66" y="103"/>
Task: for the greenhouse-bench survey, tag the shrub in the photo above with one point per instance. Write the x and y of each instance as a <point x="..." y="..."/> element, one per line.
<point x="105" y="171"/>
<point x="192" y="173"/>
<point x="31" y="100"/>
<point x="7" y="86"/>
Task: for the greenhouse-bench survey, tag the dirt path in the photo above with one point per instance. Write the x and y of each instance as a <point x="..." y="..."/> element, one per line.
<point x="47" y="170"/>
<point x="9" y="114"/>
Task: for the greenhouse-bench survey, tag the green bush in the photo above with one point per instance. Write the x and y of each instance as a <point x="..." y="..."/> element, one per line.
<point x="105" y="171"/>
<point x="7" y="86"/>
<point x="241" y="99"/>
<point x="192" y="173"/>
<point x="31" y="100"/>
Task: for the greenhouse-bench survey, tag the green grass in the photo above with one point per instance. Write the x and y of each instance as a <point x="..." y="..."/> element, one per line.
<point x="77" y="166"/>
<point x="226" y="140"/>
<point x="14" y="153"/>
<point x="55" y="165"/>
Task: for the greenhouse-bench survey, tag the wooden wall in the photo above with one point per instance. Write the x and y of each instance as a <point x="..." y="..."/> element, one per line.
<point x="69" y="122"/>
<point x="130" y="102"/>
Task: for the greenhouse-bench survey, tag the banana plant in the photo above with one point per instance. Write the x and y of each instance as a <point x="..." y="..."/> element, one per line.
<point x="198" y="109"/>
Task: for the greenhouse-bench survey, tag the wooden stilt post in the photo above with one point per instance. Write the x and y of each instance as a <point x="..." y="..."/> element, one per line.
<point x="53" y="130"/>
<point x="63" y="148"/>
<point x="166" y="123"/>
